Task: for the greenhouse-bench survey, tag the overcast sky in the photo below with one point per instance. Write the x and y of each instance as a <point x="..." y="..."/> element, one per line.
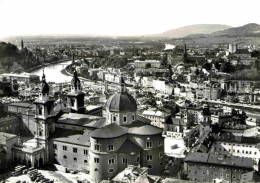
<point x="119" y="17"/>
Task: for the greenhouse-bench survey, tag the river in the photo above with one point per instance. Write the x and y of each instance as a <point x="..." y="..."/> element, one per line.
<point x="53" y="72"/>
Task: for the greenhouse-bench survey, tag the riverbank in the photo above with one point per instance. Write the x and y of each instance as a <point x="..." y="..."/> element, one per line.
<point x="49" y="63"/>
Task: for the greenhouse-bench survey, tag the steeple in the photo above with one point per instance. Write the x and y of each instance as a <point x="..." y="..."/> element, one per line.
<point x="185" y="51"/>
<point x="45" y="86"/>
<point x="122" y="85"/>
<point x="75" y="82"/>
<point x="75" y="98"/>
<point x="22" y="46"/>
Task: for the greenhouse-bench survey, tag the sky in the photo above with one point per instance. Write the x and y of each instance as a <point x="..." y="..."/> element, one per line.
<point x="119" y="17"/>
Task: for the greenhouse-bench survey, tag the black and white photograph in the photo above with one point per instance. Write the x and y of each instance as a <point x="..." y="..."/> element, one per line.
<point x="129" y="91"/>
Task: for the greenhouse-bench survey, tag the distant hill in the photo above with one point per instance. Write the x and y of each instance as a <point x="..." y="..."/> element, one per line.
<point x="247" y="30"/>
<point x="192" y="29"/>
<point x="246" y="34"/>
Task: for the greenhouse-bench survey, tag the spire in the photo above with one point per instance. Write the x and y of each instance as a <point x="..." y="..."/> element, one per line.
<point x="122" y="84"/>
<point x="43" y="76"/>
<point x="45" y="86"/>
<point x="185" y="50"/>
<point x="75" y="81"/>
<point x="22" y="46"/>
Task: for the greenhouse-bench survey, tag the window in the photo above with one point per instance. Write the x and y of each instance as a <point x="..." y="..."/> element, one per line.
<point x="138" y="159"/>
<point x="150" y="166"/>
<point x="96" y="160"/>
<point x="111" y="161"/>
<point x="124" y="161"/>
<point x="65" y="157"/>
<point x="160" y="155"/>
<point x="85" y="151"/>
<point x="85" y="161"/>
<point x="125" y="119"/>
<point x="75" y="150"/>
<point x="110" y="148"/>
<point x="133" y="117"/>
<point x="111" y="170"/>
<point x="40" y="133"/>
<point x="149" y="157"/>
<point x="54" y="146"/>
<point x="160" y="143"/>
<point x="64" y="148"/>
<point x="75" y="159"/>
<point x="114" y="118"/>
<point x="97" y="147"/>
<point x="148" y="144"/>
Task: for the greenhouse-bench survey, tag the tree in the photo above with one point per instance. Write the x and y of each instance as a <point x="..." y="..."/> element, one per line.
<point x="148" y="65"/>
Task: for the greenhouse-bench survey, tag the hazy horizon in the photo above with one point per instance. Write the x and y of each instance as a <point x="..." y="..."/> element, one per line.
<point x="118" y="18"/>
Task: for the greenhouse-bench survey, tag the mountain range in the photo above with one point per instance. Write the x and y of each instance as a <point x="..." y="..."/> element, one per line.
<point x="211" y="30"/>
<point x="192" y="29"/>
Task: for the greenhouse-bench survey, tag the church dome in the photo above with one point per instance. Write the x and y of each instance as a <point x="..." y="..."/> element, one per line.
<point x="121" y="102"/>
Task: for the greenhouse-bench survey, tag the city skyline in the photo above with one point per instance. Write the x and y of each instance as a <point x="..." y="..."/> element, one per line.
<point x="117" y="18"/>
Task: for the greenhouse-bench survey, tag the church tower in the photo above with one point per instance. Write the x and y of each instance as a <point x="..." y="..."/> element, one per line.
<point x="75" y="99"/>
<point x="185" y="51"/>
<point x="22" y="46"/>
<point x="44" y="118"/>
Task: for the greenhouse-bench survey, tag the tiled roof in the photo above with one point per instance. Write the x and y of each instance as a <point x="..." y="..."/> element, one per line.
<point x="4" y="137"/>
<point x="223" y="160"/>
<point x="110" y="131"/>
<point x="129" y="147"/>
<point x="82" y="120"/>
<point x="21" y="104"/>
<point x="72" y="136"/>
<point x="114" y="130"/>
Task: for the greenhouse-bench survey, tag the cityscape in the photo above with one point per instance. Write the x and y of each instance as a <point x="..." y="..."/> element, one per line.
<point x="148" y="106"/>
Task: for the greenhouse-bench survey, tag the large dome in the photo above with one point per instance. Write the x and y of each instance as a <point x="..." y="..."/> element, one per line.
<point x="121" y="102"/>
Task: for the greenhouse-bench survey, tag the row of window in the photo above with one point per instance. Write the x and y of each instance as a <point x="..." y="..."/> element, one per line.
<point x="109" y="147"/>
<point x="75" y="159"/>
<point x="234" y="150"/>
<point x="236" y="145"/>
<point x="124" y="118"/>
<point x="74" y="149"/>
<point x="125" y="160"/>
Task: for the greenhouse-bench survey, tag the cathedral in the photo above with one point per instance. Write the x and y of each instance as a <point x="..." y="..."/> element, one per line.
<point x="101" y="146"/>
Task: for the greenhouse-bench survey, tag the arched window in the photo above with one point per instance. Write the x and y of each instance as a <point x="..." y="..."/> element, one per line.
<point x="40" y="110"/>
<point x="75" y="159"/>
<point x="150" y="166"/>
<point x="65" y="157"/>
<point x="85" y="161"/>
<point x="111" y="170"/>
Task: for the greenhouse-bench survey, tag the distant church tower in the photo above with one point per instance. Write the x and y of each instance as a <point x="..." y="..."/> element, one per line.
<point x="44" y="119"/>
<point x="185" y="51"/>
<point x="22" y="46"/>
<point x="75" y="98"/>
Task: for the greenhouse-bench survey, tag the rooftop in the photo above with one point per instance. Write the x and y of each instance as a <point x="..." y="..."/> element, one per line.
<point x="223" y="160"/>
<point x="82" y="120"/>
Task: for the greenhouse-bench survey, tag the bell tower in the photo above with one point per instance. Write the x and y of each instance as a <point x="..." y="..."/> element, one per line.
<point x="75" y="99"/>
<point x="44" y="117"/>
